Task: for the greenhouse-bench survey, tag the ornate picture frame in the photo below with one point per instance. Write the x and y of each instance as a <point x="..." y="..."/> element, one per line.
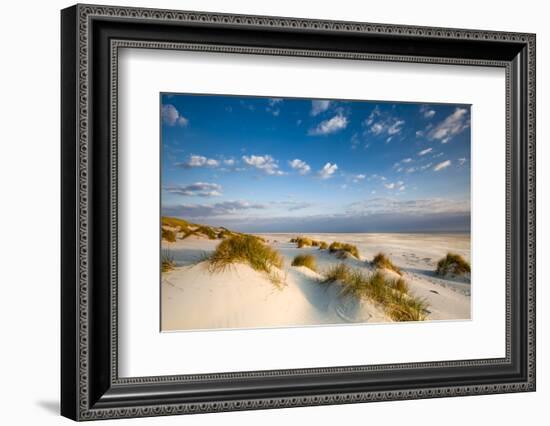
<point x="91" y="37"/>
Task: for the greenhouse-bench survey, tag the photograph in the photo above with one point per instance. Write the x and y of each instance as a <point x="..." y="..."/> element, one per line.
<point x="280" y="212"/>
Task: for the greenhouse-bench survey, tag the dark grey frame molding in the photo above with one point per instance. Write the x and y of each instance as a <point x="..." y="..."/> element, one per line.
<point x="91" y="38"/>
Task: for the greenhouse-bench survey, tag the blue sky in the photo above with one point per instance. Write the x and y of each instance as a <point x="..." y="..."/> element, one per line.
<point x="258" y="164"/>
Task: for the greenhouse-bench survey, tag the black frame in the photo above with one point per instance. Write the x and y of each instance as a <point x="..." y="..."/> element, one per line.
<point x="91" y="37"/>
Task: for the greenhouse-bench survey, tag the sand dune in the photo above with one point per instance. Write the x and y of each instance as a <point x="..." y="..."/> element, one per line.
<point x="238" y="297"/>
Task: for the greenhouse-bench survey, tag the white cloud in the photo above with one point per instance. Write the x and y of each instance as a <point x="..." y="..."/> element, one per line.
<point x="442" y="165"/>
<point x="358" y="178"/>
<point x="273" y="106"/>
<point x="419" y="133"/>
<point x="377" y="128"/>
<point x="451" y="126"/>
<point x="292" y="205"/>
<point x="171" y="116"/>
<point x="229" y="162"/>
<point x="383" y="124"/>
<point x="372" y="116"/>
<point x="301" y="166"/>
<point x="406" y="160"/>
<point x="426" y="111"/>
<point x="425" y="151"/>
<point x="266" y="163"/>
<point x="208" y="210"/>
<point x="426" y="166"/>
<point x="332" y="125"/>
<point x="395" y="127"/>
<point x="461" y="161"/>
<point x="319" y="106"/>
<point x="327" y="171"/>
<point x="395" y="185"/>
<point x="197" y="189"/>
<point x="409" y="207"/>
<point x="198" y="161"/>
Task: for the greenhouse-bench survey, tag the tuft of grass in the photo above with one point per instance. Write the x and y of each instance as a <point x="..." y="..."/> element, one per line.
<point x="381" y="261"/>
<point x="167" y="261"/>
<point x="168" y="235"/>
<point x="261" y="239"/>
<point x="303" y="242"/>
<point x="225" y="233"/>
<point x="306" y="260"/>
<point x="177" y="223"/>
<point x="208" y="231"/>
<point x="323" y="245"/>
<point x="338" y="272"/>
<point x="245" y="249"/>
<point x="315" y="243"/>
<point x="399" y="285"/>
<point x="407" y="308"/>
<point x="338" y="247"/>
<point x="452" y="264"/>
<point x="392" y="295"/>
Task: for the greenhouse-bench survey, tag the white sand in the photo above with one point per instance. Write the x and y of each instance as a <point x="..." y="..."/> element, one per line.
<point x="194" y="298"/>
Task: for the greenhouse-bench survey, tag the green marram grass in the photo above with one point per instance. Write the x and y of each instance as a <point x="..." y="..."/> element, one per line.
<point x="247" y="249"/>
<point x="392" y="295"/>
<point x="452" y="264"/>
<point x="381" y="261"/>
<point x="168" y="235"/>
<point x="306" y="260"/>
<point x="341" y="248"/>
<point x="188" y="229"/>
<point x="167" y="261"/>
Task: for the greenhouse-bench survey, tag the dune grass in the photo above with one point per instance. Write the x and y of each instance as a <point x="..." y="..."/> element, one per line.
<point x="225" y="233"/>
<point x="392" y="295"/>
<point x="247" y="249"/>
<point x="168" y="235"/>
<point x="399" y="284"/>
<point x="308" y="242"/>
<point x="188" y="229"/>
<point x="381" y="261"/>
<point x="175" y="223"/>
<point x="302" y="241"/>
<point x="452" y="264"/>
<point x="306" y="260"/>
<point x="167" y="261"/>
<point x="208" y="231"/>
<point x="342" y="248"/>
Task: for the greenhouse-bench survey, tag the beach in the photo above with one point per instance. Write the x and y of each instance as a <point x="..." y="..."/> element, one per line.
<point x="194" y="297"/>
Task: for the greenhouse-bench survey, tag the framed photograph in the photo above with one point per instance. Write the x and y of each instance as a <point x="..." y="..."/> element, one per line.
<point x="263" y="212"/>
